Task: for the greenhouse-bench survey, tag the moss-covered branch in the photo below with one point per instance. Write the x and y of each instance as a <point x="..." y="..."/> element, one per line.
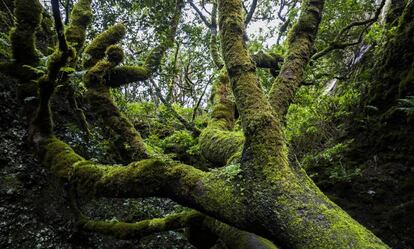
<point x="123" y="75"/>
<point x="127" y="140"/>
<point x="214" y="49"/>
<point x="297" y="213"/>
<point x="260" y="127"/>
<point x="80" y="19"/>
<point x="95" y="51"/>
<point x="271" y="61"/>
<point x="263" y="194"/>
<point x="232" y="237"/>
<point x="300" y="47"/>
<point x="28" y="17"/>
<point x="138" y="230"/>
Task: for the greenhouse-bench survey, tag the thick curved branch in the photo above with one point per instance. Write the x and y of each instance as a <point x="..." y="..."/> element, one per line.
<point x="95" y="51"/>
<point x="123" y="75"/>
<point x="127" y="140"/>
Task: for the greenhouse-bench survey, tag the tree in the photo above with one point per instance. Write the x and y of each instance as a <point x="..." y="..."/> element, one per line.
<point x="255" y="194"/>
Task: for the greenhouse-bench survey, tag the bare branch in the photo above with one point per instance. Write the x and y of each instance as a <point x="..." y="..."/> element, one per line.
<point x="200" y="14"/>
<point x="337" y="44"/>
<point x="63" y="46"/>
<point x="195" y="109"/>
<point x="188" y="125"/>
<point x="251" y="12"/>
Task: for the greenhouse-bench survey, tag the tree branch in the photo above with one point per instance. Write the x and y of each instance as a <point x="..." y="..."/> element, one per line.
<point x="123" y="75"/>
<point x="255" y="111"/>
<point x="219" y="143"/>
<point x="80" y="19"/>
<point x="138" y="230"/>
<point x="154" y="59"/>
<point x="337" y="44"/>
<point x="129" y="143"/>
<point x="199" y="13"/>
<point x="195" y="109"/>
<point x="300" y="46"/>
<point x="214" y="50"/>
<point x="250" y="13"/>
<point x="188" y="125"/>
<point x="63" y="46"/>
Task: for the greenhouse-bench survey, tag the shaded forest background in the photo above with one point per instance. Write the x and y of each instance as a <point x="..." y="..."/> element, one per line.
<point x="350" y="126"/>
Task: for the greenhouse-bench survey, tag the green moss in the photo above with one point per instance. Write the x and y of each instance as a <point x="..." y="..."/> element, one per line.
<point x="122" y="230"/>
<point x="219" y="146"/>
<point x="80" y="19"/>
<point x="95" y="51"/>
<point x="114" y="54"/>
<point x="300" y="45"/>
<point x="218" y="142"/>
<point x="123" y="75"/>
<point x="58" y="156"/>
<point x="28" y="17"/>
<point x="94" y="77"/>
